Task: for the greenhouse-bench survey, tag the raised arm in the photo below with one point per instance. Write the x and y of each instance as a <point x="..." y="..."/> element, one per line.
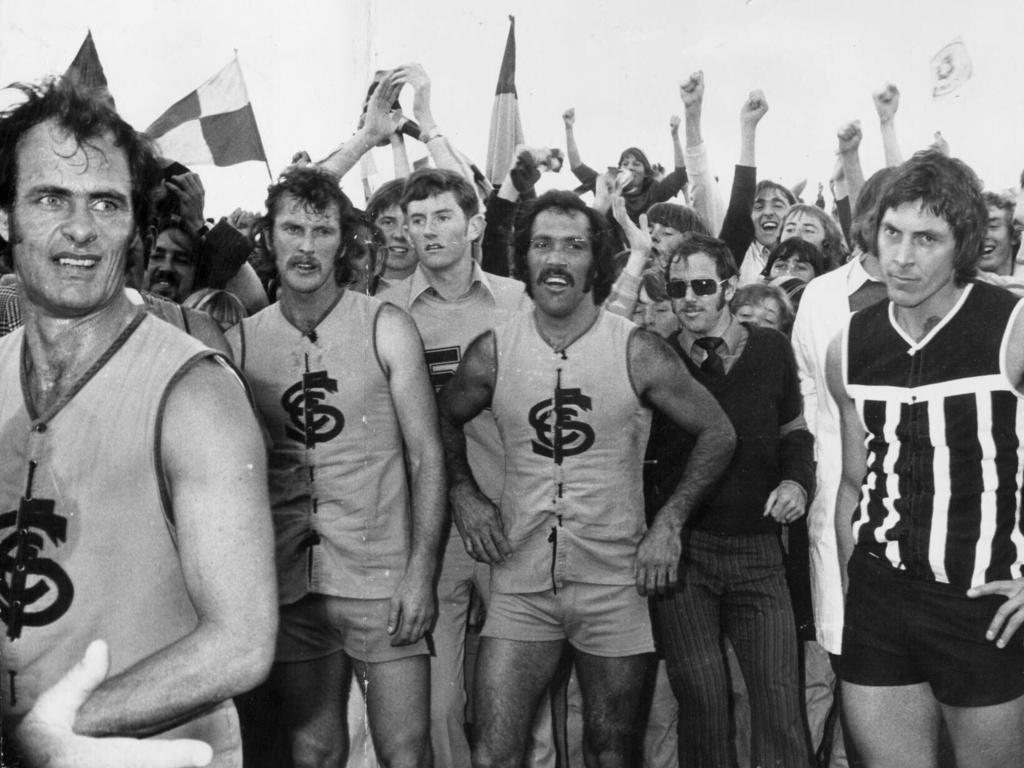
<point x="887" y="102"/>
<point x="849" y="136"/>
<point x="414" y="605"/>
<point x="624" y="293"/>
<point x="379" y="123"/>
<point x="854" y="455"/>
<point x="439" y="147"/>
<point x="738" y="228"/>
<point x="572" y="151"/>
<point x="465" y="395"/>
<point x="707" y="199"/>
<point x="215" y="465"/>
<point x="662" y="380"/>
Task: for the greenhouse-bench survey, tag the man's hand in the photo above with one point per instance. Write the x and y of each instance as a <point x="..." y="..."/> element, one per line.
<point x="413" y="609"/>
<point x="569" y="117"/>
<point x="849" y="135"/>
<point x="940" y="143"/>
<point x="1010" y="615"/>
<point x="243" y="221"/>
<point x="887" y="102"/>
<point x="605" y="187"/>
<point x="639" y="238"/>
<point x="692" y="91"/>
<point x="45" y="736"/>
<point x="188" y="188"/>
<point x="786" y="503"/>
<point x="301" y="158"/>
<point x="413" y="74"/>
<point x="381" y="120"/>
<point x="657" y="560"/>
<point x="479" y="524"/>
<point x="673" y="125"/>
<point x="754" y="108"/>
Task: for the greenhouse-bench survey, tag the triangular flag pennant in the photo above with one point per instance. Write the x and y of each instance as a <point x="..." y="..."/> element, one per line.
<point x="506" y="127"/>
<point x="213" y="125"/>
<point x="86" y="68"/>
<point x="951" y="67"/>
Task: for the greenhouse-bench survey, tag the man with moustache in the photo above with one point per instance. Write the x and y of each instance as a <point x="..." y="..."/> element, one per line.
<point x="171" y="269"/>
<point x="133" y="504"/>
<point x="570" y="386"/>
<point x="452" y="300"/>
<point x="732" y="581"/>
<point x="340" y="380"/>
<point x="929" y="390"/>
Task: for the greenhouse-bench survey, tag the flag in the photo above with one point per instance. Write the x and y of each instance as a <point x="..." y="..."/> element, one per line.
<point x="213" y="125"/>
<point x="86" y="68"/>
<point x="951" y="68"/>
<point x="506" y="127"/>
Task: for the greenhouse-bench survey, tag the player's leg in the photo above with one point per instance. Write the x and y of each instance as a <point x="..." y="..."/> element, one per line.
<point x="398" y="706"/>
<point x="893" y="726"/>
<point x="611" y="688"/>
<point x="313" y="697"/>
<point x="987" y="737"/>
<point x="311" y="676"/>
<point x="511" y="678"/>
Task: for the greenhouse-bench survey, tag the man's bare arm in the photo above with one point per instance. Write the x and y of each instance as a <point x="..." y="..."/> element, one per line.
<point x="887" y="103"/>
<point x="414" y="604"/>
<point x="854" y="455"/>
<point x="466" y="395"/>
<point x="215" y="465"/>
<point x="380" y="122"/>
<point x="662" y="379"/>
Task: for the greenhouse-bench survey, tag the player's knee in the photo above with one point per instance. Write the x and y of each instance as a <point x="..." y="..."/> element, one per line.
<point x="311" y="750"/>
<point x="406" y="748"/>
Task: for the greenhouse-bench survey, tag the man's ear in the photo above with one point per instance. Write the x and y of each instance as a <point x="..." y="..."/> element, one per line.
<point x="475" y="227"/>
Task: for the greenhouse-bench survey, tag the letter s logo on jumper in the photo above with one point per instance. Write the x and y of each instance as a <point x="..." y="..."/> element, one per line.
<point x="560" y="433"/>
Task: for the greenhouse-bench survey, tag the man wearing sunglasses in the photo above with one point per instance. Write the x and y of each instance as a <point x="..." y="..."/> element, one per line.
<point x="569" y="386"/>
<point x="731" y="578"/>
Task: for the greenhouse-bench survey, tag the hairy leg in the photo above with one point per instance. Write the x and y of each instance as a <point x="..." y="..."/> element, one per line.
<point x="313" y="698"/>
<point x="611" y="688"/>
<point x="398" y="706"/>
<point x="511" y="678"/>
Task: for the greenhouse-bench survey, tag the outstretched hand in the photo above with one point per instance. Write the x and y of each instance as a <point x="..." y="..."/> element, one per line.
<point x="638" y="237"/>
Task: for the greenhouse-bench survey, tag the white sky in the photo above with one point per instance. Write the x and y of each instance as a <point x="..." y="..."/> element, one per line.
<point x="307" y="64"/>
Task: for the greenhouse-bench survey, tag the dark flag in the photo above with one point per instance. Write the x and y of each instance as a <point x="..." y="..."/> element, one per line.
<point x="506" y="127"/>
<point x="86" y="68"/>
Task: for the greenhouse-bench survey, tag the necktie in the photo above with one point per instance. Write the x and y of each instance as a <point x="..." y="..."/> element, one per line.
<point x="713" y="363"/>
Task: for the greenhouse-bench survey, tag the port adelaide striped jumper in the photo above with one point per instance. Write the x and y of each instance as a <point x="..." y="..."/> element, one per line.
<point x="941" y="496"/>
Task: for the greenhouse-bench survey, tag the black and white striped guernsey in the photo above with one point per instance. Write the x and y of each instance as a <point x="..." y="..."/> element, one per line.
<point x="941" y="497"/>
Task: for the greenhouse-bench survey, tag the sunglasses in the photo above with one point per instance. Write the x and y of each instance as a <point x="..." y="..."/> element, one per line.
<point x="702" y="286"/>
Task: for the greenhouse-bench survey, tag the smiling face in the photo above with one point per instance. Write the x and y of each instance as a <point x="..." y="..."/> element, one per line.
<point x="401" y="260"/>
<point x="440" y="231"/>
<point x="71" y="224"/>
<point x="306" y="244"/>
<point x="770" y="206"/>
<point x="916" y="250"/>
<point x="559" y="261"/>
<point x="171" y="271"/>
<point x="804" y="225"/>
<point x="998" y="248"/>
<point x="706" y="315"/>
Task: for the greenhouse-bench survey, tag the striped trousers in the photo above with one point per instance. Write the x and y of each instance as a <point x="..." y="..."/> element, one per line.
<point x="733" y="587"/>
